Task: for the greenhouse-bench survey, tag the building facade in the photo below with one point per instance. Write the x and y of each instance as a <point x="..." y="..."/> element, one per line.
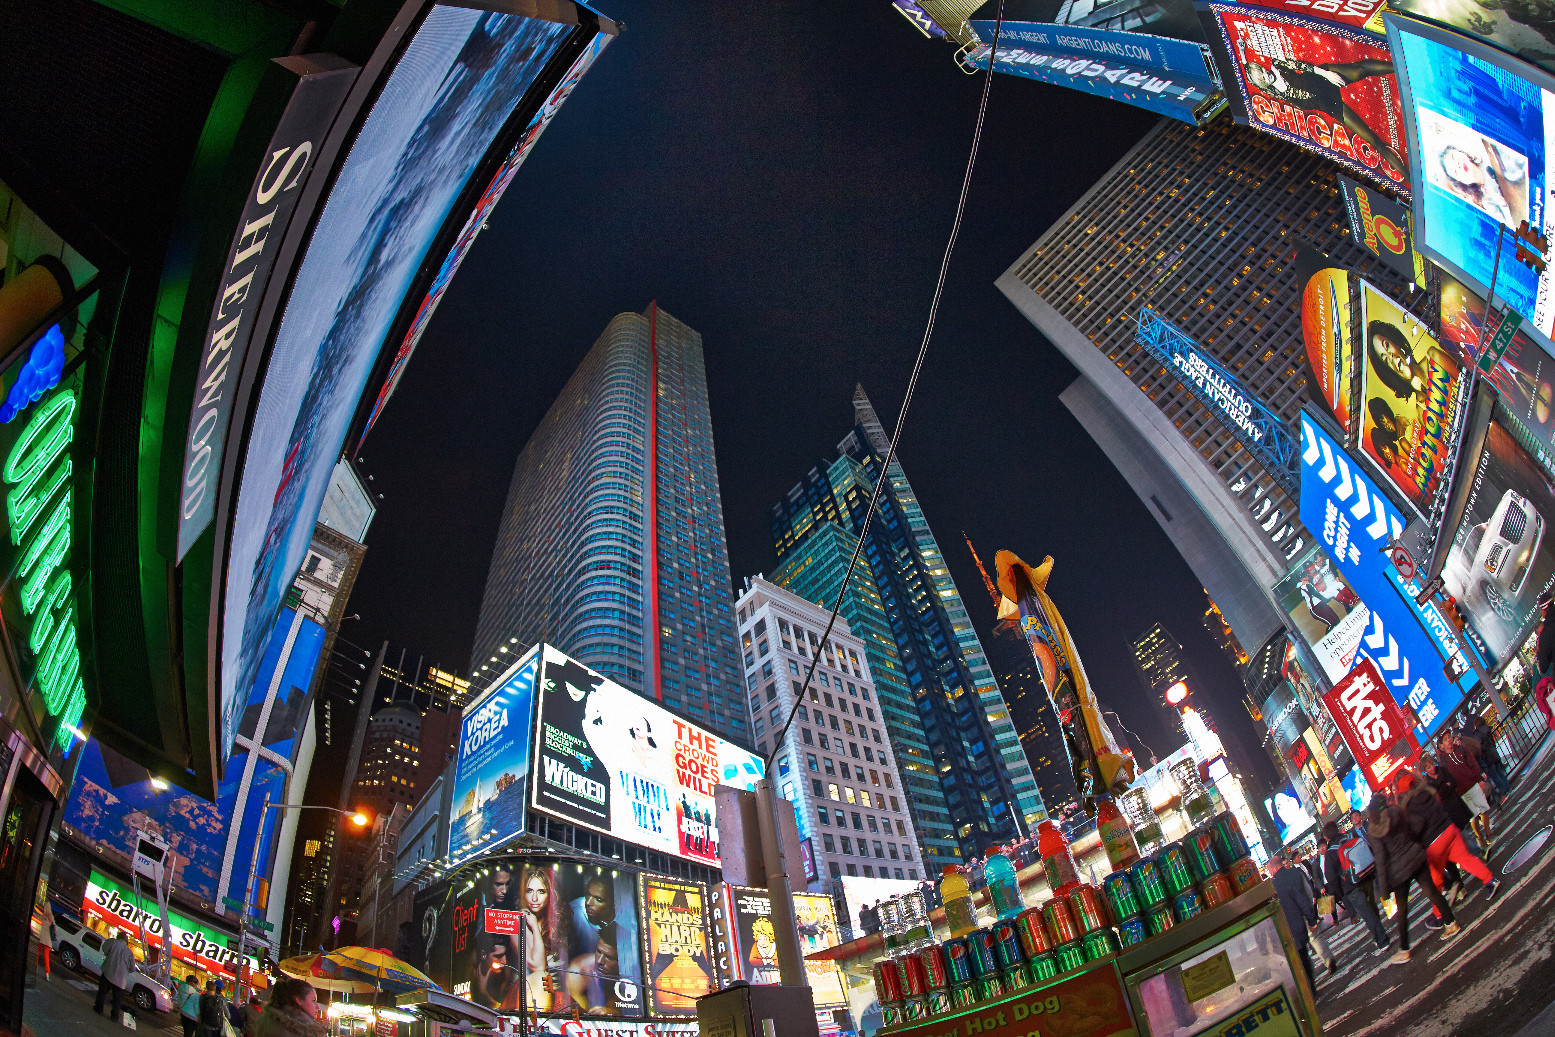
<point x="835" y="763"/>
<point x="962" y="720"/>
<point x="1202" y="226"/>
<point x="611" y="545"/>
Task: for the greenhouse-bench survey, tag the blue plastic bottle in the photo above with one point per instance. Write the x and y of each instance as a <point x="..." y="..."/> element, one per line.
<point x="1003" y="886"/>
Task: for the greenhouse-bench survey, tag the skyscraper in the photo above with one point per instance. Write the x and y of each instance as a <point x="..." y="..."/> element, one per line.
<point x="1041" y="736"/>
<point x="1158" y="659"/>
<point x="1201" y="225"/>
<point x="961" y="717"/>
<point x="612" y="543"/>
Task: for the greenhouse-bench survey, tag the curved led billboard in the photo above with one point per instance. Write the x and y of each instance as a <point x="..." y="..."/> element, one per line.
<point x="457" y="83"/>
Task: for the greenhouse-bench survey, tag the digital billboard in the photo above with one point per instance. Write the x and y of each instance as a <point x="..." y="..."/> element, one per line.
<point x="1187" y="98"/>
<point x="477" y="222"/>
<point x="491" y="768"/>
<point x="1524" y="377"/>
<point x="1519" y="27"/>
<point x="753" y="955"/>
<point x="1478" y="123"/>
<point x="676" y="952"/>
<point x="1136" y="48"/>
<point x="1326" y="611"/>
<point x="1321" y="85"/>
<point x="1325" y="326"/>
<point x="1354" y="521"/>
<point x="1502" y="559"/>
<point x="619" y="763"/>
<point x="1411" y="390"/>
<point x="1381" y="226"/>
<point x="457" y="82"/>
<point x="1371" y="724"/>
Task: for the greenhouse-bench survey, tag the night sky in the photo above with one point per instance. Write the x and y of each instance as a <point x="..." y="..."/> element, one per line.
<point x="783" y="177"/>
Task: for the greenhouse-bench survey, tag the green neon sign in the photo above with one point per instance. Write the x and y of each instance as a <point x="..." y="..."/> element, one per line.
<point x="38" y="499"/>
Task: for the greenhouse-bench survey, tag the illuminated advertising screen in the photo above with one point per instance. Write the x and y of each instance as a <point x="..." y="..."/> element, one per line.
<point x="1520" y="28"/>
<point x="753" y="955"/>
<point x="194" y="944"/>
<point x="1362" y="14"/>
<point x="1371" y="724"/>
<point x="1478" y="123"/>
<point x="1524" y="377"/>
<point x="676" y="953"/>
<point x="1502" y="558"/>
<point x="491" y="768"/>
<point x="1320" y="85"/>
<point x="458" y="80"/>
<point x="615" y="761"/>
<point x="477" y="222"/>
<point x="1325" y="325"/>
<point x="1381" y="226"/>
<point x="1325" y="610"/>
<point x="1182" y="96"/>
<point x="1137" y="48"/>
<point x="1290" y="817"/>
<point x="1354" y="521"/>
<point x="1410" y="396"/>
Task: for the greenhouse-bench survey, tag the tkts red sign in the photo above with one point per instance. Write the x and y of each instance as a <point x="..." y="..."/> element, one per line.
<point x="1371" y="723"/>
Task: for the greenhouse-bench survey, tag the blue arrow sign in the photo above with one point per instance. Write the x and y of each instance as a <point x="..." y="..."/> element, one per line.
<point x="1356" y="521"/>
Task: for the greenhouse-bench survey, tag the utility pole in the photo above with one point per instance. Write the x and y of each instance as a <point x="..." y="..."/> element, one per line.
<point x="785" y="929"/>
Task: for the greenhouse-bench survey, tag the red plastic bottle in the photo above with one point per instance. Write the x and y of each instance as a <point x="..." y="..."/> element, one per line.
<point x="1057" y="860"/>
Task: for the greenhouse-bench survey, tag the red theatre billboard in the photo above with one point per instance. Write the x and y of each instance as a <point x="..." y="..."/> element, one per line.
<point x="1372" y="724"/>
<point x="1322" y="85"/>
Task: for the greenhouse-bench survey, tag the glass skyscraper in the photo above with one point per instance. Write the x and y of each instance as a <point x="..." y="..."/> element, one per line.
<point x="612" y="542"/>
<point x="942" y="705"/>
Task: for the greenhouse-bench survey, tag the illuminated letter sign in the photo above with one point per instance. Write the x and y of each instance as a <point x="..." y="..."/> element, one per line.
<point x="1371" y="723"/>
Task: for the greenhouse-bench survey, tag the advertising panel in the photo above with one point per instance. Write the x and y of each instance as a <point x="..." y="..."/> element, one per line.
<point x="1381" y="226"/>
<point x="1524" y="377"/>
<point x="1502" y="559"/>
<point x="492" y="765"/>
<point x="1184" y="97"/>
<point x="1089" y="1004"/>
<point x="676" y="954"/>
<point x="1325" y="325"/>
<point x="1320" y="85"/>
<point x="919" y="18"/>
<point x="193" y="943"/>
<point x="1136" y="48"/>
<point x="1362" y="14"/>
<point x="1520" y="28"/>
<point x="753" y="955"/>
<point x="817" y="918"/>
<point x="1410" y="393"/>
<point x="477" y="222"/>
<point x="619" y="763"/>
<point x="1354" y="521"/>
<point x="1371" y="724"/>
<point x="458" y="80"/>
<point x="1325" y="610"/>
<point x="1290" y="817"/>
<point x="1479" y="123"/>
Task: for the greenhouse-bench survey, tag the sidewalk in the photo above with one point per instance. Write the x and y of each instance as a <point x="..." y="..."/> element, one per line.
<point x="63" y="1005"/>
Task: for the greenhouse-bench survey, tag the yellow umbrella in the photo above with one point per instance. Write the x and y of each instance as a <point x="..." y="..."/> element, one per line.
<point x="310" y="967"/>
<point x="379" y="967"/>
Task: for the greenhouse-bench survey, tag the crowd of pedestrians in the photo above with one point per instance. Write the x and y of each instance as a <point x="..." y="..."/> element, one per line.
<point x="1430" y="831"/>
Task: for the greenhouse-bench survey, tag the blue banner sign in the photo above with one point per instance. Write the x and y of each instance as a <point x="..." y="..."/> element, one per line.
<point x="1355" y="521"/>
<point x="1133" y="48"/>
<point x="1186" y="98"/>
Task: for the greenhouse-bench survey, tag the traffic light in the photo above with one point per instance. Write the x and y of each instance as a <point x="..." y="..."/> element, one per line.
<point x="1450" y="608"/>
<point x="1531" y="247"/>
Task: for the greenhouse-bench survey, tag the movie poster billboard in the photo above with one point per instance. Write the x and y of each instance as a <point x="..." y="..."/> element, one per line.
<point x="1410" y="388"/>
<point x="1524" y="378"/>
<point x="753" y="951"/>
<point x="492" y="763"/>
<point x="1320" y="85"/>
<point x="1381" y="226"/>
<point x="1479" y="124"/>
<point x="1502" y="559"/>
<point x="619" y="763"/>
<point x="676" y="954"/>
<point x="817" y="918"/>
<point x="1325" y="325"/>
<point x="1325" y="610"/>
<point x="1188" y="98"/>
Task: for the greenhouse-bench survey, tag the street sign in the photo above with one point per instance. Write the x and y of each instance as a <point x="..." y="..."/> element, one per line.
<point x="1500" y="338"/>
<point x="261" y="923"/>
<point x="233" y="902"/>
<point x="1402" y="560"/>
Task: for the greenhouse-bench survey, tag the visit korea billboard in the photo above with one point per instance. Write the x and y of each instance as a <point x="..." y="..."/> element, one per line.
<point x="615" y="761"/>
<point x="1321" y="85"/>
<point x="492" y="764"/>
<point x="1371" y="724"/>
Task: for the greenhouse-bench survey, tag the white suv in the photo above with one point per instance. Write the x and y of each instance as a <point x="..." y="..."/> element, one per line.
<point x="81" y="950"/>
<point x="1499" y="553"/>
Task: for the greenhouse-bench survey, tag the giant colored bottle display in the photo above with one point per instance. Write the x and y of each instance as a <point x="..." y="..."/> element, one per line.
<point x="1116" y="834"/>
<point x="1057" y="859"/>
<point x="956" y="895"/>
<point x="1003" y="886"/>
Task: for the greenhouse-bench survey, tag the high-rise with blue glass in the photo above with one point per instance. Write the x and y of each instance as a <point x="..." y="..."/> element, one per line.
<point x="949" y="724"/>
<point x="612" y="542"/>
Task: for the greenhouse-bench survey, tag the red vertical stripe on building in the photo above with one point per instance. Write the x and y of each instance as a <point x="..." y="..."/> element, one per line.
<point x="651" y="507"/>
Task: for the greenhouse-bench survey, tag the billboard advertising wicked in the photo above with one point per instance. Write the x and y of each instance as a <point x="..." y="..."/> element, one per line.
<point x="1320" y="85"/>
<point x="492" y="765"/>
<point x="621" y="764"/>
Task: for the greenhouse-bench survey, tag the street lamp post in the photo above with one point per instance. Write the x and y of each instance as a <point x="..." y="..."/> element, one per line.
<point x="357" y="818"/>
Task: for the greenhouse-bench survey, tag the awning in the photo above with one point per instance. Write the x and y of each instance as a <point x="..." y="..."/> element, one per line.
<point x="448" y="1009"/>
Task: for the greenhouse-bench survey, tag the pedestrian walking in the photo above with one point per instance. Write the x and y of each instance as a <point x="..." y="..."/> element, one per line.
<point x="1461" y="758"/>
<point x="1293" y="888"/>
<point x="48" y="937"/>
<point x="118" y="963"/>
<point x="293" y="1011"/>
<point x="1303" y="869"/>
<point x="189" y="1005"/>
<point x="213" y="1010"/>
<point x="1401" y="860"/>
<point x="1478" y="728"/>
<point x="1343" y="886"/>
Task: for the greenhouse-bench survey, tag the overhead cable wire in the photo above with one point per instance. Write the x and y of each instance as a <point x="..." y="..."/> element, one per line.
<point x="912" y="385"/>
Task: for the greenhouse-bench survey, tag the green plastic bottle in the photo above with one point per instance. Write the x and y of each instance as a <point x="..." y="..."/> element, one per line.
<point x="956" y="895"/>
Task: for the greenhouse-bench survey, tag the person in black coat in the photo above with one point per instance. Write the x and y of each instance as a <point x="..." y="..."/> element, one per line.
<point x="1293" y="890"/>
<point x="1401" y="860"/>
<point x="1344" y="889"/>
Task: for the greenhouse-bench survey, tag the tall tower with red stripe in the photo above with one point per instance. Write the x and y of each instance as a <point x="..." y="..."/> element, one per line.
<point x="612" y="542"/>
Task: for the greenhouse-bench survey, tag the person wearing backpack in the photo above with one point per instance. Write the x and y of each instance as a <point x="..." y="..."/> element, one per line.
<point x="189" y="1005"/>
<point x="1340" y="870"/>
<point x="213" y="1010"/>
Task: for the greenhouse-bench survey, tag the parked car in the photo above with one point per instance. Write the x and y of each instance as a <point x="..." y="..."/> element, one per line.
<point x="81" y="950"/>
